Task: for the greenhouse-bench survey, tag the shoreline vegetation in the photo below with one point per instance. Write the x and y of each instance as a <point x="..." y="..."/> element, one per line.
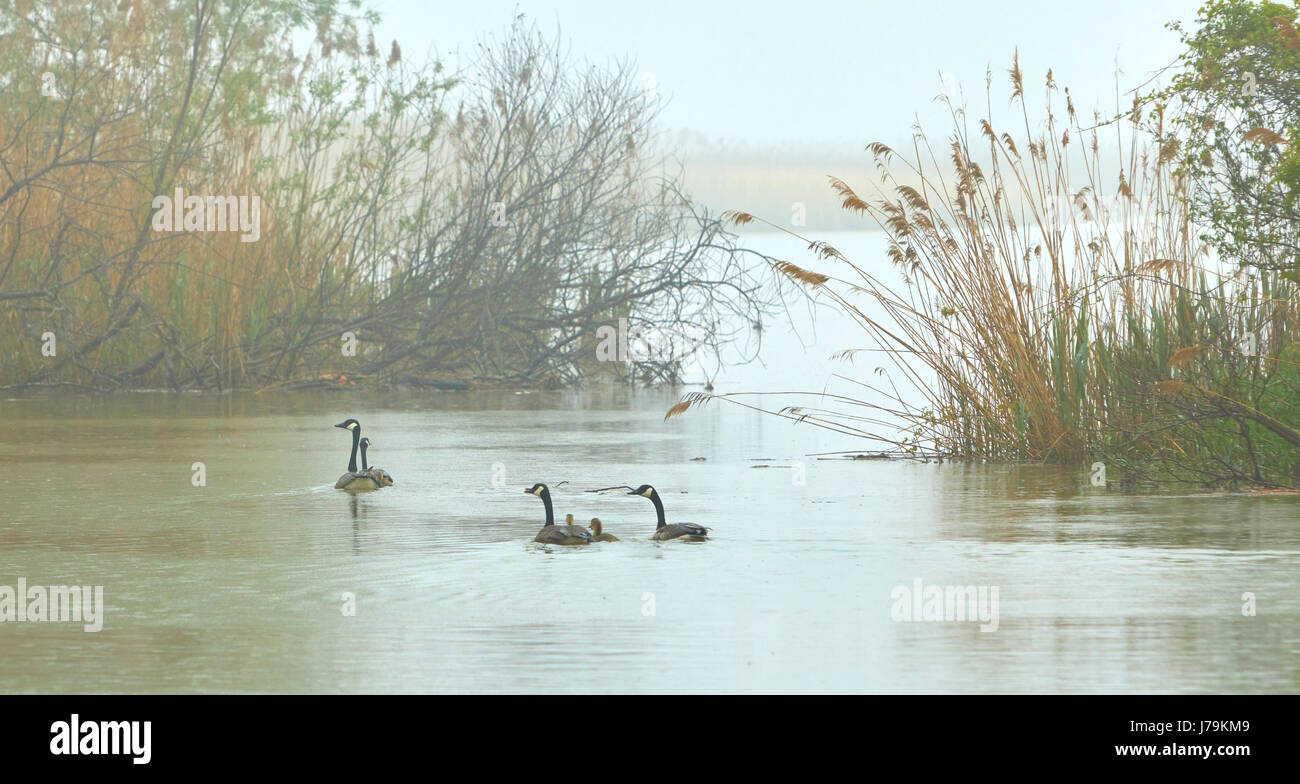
<point x="1140" y="318"/>
<point x="187" y="202"/>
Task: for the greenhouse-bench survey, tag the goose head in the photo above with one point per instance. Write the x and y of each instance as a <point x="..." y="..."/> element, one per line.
<point x="644" y="490"/>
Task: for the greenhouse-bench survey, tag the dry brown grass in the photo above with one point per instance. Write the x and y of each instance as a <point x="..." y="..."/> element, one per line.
<point x="1264" y="136"/>
<point x="1048" y="280"/>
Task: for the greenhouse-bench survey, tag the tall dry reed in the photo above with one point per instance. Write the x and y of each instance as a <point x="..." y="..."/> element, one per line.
<point x="1051" y="302"/>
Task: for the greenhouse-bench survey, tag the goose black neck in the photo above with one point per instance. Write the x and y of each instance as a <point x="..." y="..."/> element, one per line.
<point x="356" y="439"/>
<point x="659" y="508"/>
<point x="365" y="466"/>
<point x="550" y="512"/>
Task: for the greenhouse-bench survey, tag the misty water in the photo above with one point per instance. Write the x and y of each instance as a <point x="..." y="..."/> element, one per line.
<point x="238" y="585"/>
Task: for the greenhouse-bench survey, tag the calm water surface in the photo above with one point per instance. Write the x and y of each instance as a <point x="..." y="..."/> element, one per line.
<point x="237" y="586"/>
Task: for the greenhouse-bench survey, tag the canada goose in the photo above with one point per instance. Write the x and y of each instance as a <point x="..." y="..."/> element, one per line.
<point x="383" y="477"/>
<point x="687" y="532"/>
<point x="598" y="535"/>
<point x="552" y="533"/>
<point x="355" y="481"/>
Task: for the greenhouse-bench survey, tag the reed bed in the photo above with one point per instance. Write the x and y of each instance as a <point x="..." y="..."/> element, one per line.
<point x="484" y="227"/>
<point x="1051" y="302"/>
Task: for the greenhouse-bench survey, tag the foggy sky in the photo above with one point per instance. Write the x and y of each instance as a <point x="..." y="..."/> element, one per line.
<point x="822" y="73"/>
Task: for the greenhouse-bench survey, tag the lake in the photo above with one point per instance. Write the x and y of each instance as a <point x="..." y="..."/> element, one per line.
<point x="239" y="585"/>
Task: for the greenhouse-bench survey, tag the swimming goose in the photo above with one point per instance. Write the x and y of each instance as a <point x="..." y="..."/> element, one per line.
<point x="355" y="481"/>
<point x="383" y="477"/>
<point x="687" y="532"/>
<point x="598" y="535"/>
<point x="552" y="533"/>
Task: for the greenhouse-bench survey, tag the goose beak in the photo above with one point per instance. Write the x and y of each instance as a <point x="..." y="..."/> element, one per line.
<point x="340" y="424"/>
<point x="632" y="492"/>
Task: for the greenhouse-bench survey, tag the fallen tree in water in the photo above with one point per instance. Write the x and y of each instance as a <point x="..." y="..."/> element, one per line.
<point x="185" y="202"/>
